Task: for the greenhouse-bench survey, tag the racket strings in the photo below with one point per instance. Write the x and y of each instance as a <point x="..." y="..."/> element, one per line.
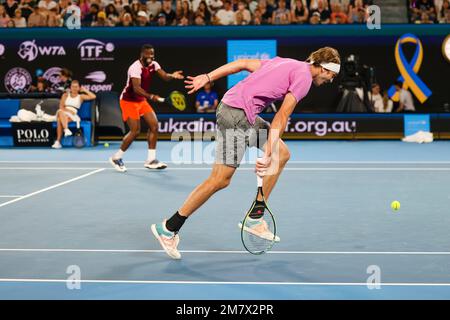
<point x="258" y="235"/>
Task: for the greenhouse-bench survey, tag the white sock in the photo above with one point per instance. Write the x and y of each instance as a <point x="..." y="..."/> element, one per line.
<point x="118" y="155"/>
<point x="151" y="155"/>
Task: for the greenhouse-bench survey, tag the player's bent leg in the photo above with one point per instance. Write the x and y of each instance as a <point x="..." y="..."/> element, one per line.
<point x="152" y="137"/>
<point x="116" y="160"/>
<point x="166" y="232"/>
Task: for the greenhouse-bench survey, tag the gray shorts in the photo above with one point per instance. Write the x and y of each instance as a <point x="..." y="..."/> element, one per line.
<point x="234" y="134"/>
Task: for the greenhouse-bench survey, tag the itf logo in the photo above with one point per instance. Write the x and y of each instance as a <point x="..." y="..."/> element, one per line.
<point x="249" y="49"/>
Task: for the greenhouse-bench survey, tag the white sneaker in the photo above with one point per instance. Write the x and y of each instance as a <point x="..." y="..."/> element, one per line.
<point x="57" y="145"/>
<point x="155" y="164"/>
<point x="118" y="165"/>
<point x="67" y="133"/>
<point x="168" y="240"/>
<point x="259" y="228"/>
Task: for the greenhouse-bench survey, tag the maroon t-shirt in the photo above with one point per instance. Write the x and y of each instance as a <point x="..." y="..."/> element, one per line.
<point x="137" y="70"/>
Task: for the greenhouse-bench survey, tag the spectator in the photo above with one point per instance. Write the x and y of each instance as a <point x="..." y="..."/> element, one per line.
<point x="215" y="5"/>
<point x="142" y="19"/>
<point x="126" y="20"/>
<point x="299" y="12"/>
<point x="10" y="24"/>
<point x="135" y="8"/>
<point x="183" y="22"/>
<point x="69" y="106"/>
<point x="420" y="6"/>
<point x="257" y="17"/>
<point x="444" y="12"/>
<point x="101" y="21"/>
<point x="4" y="17"/>
<point x="37" y="19"/>
<point x="206" y="100"/>
<point x="85" y="6"/>
<point x="91" y="17"/>
<point x="195" y="4"/>
<point x="203" y="11"/>
<point x="154" y="7"/>
<point x="112" y="14"/>
<point x="199" y="20"/>
<point x="266" y="12"/>
<point x="282" y="14"/>
<point x="54" y="19"/>
<point x="65" y="80"/>
<point x="342" y="4"/>
<point x="406" y="103"/>
<point x="168" y="12"/>
<point x="11" y="6"/>
<point x="26" y="8"/>
<point x="162" y="21"/>
<point x="357" y="13"/>
<point x="251" y="5"/>
<point x="19" y="21"/>
<point x="186" y="11"/>
<point x="338" y="16"/>
<point x="226" y="15"/>
<point x="41" y="86"/>
<point x="242" y="15"/>
<point x="324" y="13"/>
<point x="425" y="19"/>
<point x="47" y="5"/>
<point x="381" y="102"/>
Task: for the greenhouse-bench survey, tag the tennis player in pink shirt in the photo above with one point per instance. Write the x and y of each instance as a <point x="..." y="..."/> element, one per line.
<point x="239" y="126"/>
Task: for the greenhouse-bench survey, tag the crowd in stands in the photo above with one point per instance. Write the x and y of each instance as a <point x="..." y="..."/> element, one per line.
<point x="100" y="13"/>
<point x="429" y="11"/>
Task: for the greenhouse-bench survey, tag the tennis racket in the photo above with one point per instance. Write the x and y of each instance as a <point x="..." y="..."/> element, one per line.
<point x="177" y="100"/>
<point x="78" y="139"/>
<point x="258" y="229"/>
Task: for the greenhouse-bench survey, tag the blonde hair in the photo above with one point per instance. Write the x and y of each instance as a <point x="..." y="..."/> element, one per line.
<point x="324" y="55"/>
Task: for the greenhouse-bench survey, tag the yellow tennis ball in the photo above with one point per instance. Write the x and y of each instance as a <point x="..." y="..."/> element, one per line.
<point x="106" y="144"/>
<point x="395" y="205"/>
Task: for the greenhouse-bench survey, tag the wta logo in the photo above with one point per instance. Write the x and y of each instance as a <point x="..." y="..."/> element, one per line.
<point x="95" y="50"/>
<point x="29" y="50"/>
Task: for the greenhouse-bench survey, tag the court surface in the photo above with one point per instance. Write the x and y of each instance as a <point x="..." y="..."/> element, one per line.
<point x="67" y="212"/>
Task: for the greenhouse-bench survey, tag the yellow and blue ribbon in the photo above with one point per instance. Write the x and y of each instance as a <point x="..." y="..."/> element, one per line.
<point x="409" y="70"/>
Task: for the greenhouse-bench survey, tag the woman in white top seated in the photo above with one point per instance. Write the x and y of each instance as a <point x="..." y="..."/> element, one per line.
<point x="69" y="106"/>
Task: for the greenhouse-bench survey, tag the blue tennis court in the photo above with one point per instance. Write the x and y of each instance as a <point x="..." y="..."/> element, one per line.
<point x="67" y="213"/>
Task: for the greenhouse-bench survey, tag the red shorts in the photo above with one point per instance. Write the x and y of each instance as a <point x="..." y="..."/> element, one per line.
<point x="134" y="109"/>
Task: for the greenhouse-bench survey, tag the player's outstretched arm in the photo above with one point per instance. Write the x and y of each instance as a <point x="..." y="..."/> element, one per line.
<point x="178" y="75"/>
<point x="196" y="83"/>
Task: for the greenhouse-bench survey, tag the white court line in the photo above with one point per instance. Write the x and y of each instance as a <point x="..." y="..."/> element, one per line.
<point x="51" y="187"/>
<point x="365" y="284"/>
<point x="228" y="251"/>
<point x="244" y="169"/>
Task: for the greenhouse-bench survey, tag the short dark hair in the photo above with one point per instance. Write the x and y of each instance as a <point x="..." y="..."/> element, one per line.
<point x="399" y="83"/>
<point x="66" y="73"/>
<point x="146" y="47"/>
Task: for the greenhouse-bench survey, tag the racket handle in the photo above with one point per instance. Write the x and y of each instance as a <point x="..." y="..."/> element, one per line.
<point x="259" y="180"/>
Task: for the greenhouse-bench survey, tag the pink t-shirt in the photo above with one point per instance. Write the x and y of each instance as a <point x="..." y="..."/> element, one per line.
<point x="271" y="82"/>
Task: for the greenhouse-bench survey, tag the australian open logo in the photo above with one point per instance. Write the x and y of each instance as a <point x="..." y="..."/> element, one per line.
<point x="97" y="82"/>
<point x="18" y="80"/>
<point x="95" y="50"/>
<point x="29" y="50"/>
<point x="52" y="77"/>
